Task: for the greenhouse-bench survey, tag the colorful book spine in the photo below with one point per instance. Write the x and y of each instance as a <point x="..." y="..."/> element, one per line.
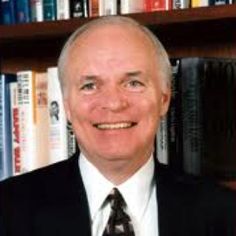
<point x="93" y="8"/>
<point x="8" y="12"/>
<point x="27" y="107"/>
<point x="49" y="10"/>
<point x="199" y="3"/>
<point x="5" y="126"/>
<point x="15" y="124"/>
<point x="23" y="11"/>
<point x="157" y="5"/>
<point x="63" y="9"/>
<point x="36" y="7"/>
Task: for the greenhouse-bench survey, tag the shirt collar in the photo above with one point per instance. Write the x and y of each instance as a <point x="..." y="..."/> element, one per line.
<point x="98" y="187"/>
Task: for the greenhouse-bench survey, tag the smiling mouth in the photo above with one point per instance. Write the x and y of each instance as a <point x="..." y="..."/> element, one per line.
<point x="110" y="126"/>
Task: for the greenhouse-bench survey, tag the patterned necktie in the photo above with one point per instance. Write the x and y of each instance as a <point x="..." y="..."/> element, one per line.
<point x="119" y="223"/>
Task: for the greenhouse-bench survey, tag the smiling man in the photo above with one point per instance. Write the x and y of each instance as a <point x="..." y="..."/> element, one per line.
<point x="115" y="77"/>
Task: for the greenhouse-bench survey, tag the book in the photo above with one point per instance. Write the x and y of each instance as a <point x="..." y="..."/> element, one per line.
<point x="208" y="123"/>
<point x="199" y="3"/>
<point x="79" y="8"/>
<point x="23" y="11"/>
<point x="42" y="121"/>
<point x="93" y="8"/>
<point x="58" y="149"/>
<point x="36" y="7"/>
<point x="180" y="4"/>
<point x="5" y="126"/>
<point x="130" y="6"/>
<point x="162" y="150"/>
<point x="27" y="108"/>
<point x="49" y="10"/>
<point x="8" y="12"/>
<point x="218" y="2"/>
<point x="219" y="120"/>
<point x="157" y="5"/>
<point x="107" y="7"/>
<point x="15" y="132"/>
<point x="63" y="9"/>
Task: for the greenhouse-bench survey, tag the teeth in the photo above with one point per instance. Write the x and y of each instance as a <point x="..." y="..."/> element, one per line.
<point x="122" y="125"/>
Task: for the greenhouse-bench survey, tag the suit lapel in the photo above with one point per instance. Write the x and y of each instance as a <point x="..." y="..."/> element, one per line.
<point x="66" y="212"/>
<point x="170" y="209"/>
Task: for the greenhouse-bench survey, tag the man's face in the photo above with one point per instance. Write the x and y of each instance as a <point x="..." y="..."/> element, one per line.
<point x="114" y="96"/>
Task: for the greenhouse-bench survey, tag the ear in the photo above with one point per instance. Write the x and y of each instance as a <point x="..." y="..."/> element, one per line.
<point x="67" y="109"/>
<point x="165" y="101"/>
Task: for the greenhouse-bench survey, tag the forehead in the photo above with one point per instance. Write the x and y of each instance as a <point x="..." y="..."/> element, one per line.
<point x="112" y="38"/>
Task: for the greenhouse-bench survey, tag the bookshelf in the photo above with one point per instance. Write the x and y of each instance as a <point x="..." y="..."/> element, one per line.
<point x="205" y="31"/>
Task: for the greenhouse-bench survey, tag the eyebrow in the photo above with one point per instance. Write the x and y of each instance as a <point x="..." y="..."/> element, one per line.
<point x="133" y="73"/>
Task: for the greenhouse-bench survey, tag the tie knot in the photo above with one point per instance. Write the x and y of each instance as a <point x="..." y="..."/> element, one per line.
<point x="116" y="200"/>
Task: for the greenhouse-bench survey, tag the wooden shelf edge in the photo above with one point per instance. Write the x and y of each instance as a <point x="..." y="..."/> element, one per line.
<point x="62" y="28"/>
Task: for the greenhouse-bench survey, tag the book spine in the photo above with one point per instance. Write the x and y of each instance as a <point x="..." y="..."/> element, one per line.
<point x="220" y="118"/>
<point x="42" y="123"/>
<point x="77" y="8"/>
<point x="23" y="11"/>
<point x="49" y="10"/>
<point x="15" y="123"/>
<point x="129" y="6"/>
<point x="180" y="4"/>
<point x="199" y="3"/>
<point x="192" y="78"/>
<point x="27" y="107"/>
<point x="162" y="142"/>
<point x="8" y="12"/>
<point x="158" y="5"/>
<point x="36" y="7"/>
<point x="93" y="8"/>
<point x="57" y="119"/>
<point x="174" y="118"/>
<point x="63" y="9"/>
<point x="5" y="126"/>
<point x="107" y="7"/>
<point x="218" y="2"/>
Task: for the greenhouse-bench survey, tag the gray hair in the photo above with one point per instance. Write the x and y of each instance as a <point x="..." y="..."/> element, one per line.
<point x="162" y="56"/>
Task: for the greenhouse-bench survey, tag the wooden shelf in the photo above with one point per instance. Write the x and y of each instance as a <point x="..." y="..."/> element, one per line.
<point x="219" y="15"/>
<point x="205" y="31"/>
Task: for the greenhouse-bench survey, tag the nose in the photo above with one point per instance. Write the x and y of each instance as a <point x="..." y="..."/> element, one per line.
<point x="114" y="100"/>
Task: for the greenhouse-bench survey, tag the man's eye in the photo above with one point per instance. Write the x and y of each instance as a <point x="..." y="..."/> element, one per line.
<point x="135" y="83"/>
<point x="88" y="86"/>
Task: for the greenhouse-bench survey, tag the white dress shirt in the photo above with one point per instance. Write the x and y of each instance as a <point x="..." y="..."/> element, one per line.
<point x="139" y="193"/>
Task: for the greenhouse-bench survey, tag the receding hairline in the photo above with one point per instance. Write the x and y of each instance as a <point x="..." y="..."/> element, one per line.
<point x="161" y="54"/>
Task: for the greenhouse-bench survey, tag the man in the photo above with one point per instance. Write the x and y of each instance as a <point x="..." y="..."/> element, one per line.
<point x="115" y="77"/>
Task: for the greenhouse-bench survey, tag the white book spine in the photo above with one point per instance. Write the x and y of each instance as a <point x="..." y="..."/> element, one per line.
<point x="26" y="95"/>
<point x="107" y="7"/>
<point x="57" y="119"/>
<point x="63" y="9"/>
<point x="130" y="6"/>
<point x="36" y="7"/>
<point x="42" y="125"/>
<point x="162" y="142"/>
<point x="15" y="124"/>
<point x="181" y="4"/>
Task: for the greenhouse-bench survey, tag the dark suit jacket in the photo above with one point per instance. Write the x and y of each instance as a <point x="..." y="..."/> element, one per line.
<point x="52" y="202"/>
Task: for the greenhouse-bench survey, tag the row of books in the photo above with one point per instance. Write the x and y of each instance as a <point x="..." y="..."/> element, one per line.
<point x="25" y="11"/>
<point x="198" y="135"/>
<point x="33" y="127"/>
